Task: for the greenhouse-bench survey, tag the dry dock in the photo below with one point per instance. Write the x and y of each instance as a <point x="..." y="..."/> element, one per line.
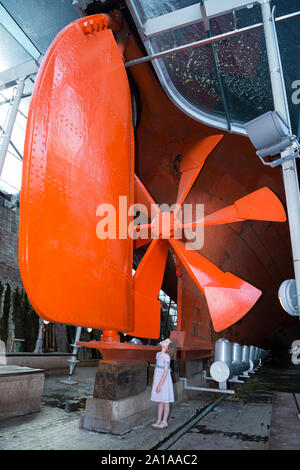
<point x="261" y="415"/>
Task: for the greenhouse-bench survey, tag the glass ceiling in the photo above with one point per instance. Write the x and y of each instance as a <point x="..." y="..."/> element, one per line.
<point x="224" y="84"/>
<point x="27" y="27"/>
<point x="227" y="83"/>
<point x="153" y="8"/>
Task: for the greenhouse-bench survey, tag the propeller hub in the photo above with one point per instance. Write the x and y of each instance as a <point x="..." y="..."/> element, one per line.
<point x="163" y="226"/>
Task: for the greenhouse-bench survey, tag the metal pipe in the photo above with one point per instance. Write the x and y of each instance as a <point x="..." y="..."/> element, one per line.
<point x="204" y="389"/>
<point x="10" y="124"/>
<point x="73" y="360"/>
<point x="289" y="168"/>
<point x="7" y="100"/>
<point x="190" y="424"/>
<point x="203" y="42"/>
<point x="13" y="146"/>
<point x="217" y="68"/>
<point x="39" y="342"/>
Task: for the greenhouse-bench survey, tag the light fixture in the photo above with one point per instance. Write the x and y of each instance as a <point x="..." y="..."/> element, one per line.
<point x="90" y="330"/>
<point x="270" y="135"/>
<point x="135" y="341"/>
<point x="46" y="322"/>
<point x="288" y="297"/>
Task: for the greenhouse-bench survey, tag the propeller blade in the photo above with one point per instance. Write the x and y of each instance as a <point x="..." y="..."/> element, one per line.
<point x="227" y="215"/>
<point x="192" y="163"/>
<point x="141" y="242"/>
<point x="143" y="234"/>
<point x="262" y="204"/>
<point x="228" y="304"/>
<point x="147" y="282"/>
<point x="142" y="196"/>
<point x="229" y="298"/>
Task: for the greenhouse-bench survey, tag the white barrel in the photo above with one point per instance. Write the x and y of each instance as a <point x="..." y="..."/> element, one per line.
<point x="220" y="370"/>
<point x="256" y="356"/>
<point x="236" y="366"/>
<point x="245" y="358"/>
<point x="251" y="357"/>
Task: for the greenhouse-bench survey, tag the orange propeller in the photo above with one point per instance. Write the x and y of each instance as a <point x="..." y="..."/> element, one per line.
<point x="262" y="204"/>
<point x="192" y="164"/>
<point x="70" y="272"/>
<point x="149" y="273"/>
<point x="228" y="297"/>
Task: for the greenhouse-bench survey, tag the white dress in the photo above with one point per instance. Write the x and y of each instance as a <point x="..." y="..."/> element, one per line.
<point x="166" y="393"/>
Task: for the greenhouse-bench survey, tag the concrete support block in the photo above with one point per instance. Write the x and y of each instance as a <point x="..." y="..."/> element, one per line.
<point x="118" y="380"/>
<point x="21" y="390"/>
<point x="53" y="364"/>
<point x="121" y="416"/>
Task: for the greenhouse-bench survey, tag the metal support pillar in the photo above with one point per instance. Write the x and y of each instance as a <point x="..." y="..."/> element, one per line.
<point x="222" y="389"/>
<point x="6" y="136"/>
<point x="236" y="380"/>
<point x="73" y="361"/>
<point x="289" y="168"/>
<point x="245" y="375"/>
<point x="39" y="342"/>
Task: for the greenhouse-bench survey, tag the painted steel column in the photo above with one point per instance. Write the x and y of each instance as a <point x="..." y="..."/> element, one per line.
<point x="289" y="168"/>
<point x="10" y="124"/>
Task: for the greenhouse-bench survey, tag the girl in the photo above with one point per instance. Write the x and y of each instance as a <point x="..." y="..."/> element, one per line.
<point x="162" y="388"/>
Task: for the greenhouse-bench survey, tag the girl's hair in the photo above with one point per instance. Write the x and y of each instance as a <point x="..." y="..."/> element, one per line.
<point x="172" y="350"/>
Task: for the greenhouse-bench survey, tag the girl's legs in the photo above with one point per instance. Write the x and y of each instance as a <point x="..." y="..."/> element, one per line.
<point x="166" y="408"/>
<point x="163" y="411"/>
<point x="160" y="411"/>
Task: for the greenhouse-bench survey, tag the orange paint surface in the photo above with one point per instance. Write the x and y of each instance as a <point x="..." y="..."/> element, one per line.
<point x="78" y="154"/>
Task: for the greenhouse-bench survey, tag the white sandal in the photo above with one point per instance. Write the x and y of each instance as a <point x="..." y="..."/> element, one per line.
<point x="156" y="425"/>
<point x="162" y="425"/>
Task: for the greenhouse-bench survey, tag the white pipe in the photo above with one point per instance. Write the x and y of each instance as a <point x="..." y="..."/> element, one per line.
<point x="289" y="168"/>
<point x="11" y="121"/>
<point x="204" y="389"/>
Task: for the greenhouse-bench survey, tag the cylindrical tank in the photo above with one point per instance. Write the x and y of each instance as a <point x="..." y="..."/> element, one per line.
<point x="236" y="366"/>
<point x="265" y="354"/>
<point x="259" y="356"/>
<point x="256" y="356"/>
<point x="220" y="370"/>
<point x="245" y="358"/>
<point x="251" y="357"/>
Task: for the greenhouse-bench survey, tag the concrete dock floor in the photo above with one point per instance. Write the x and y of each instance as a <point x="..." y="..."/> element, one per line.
<point x="242" y="421"/>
